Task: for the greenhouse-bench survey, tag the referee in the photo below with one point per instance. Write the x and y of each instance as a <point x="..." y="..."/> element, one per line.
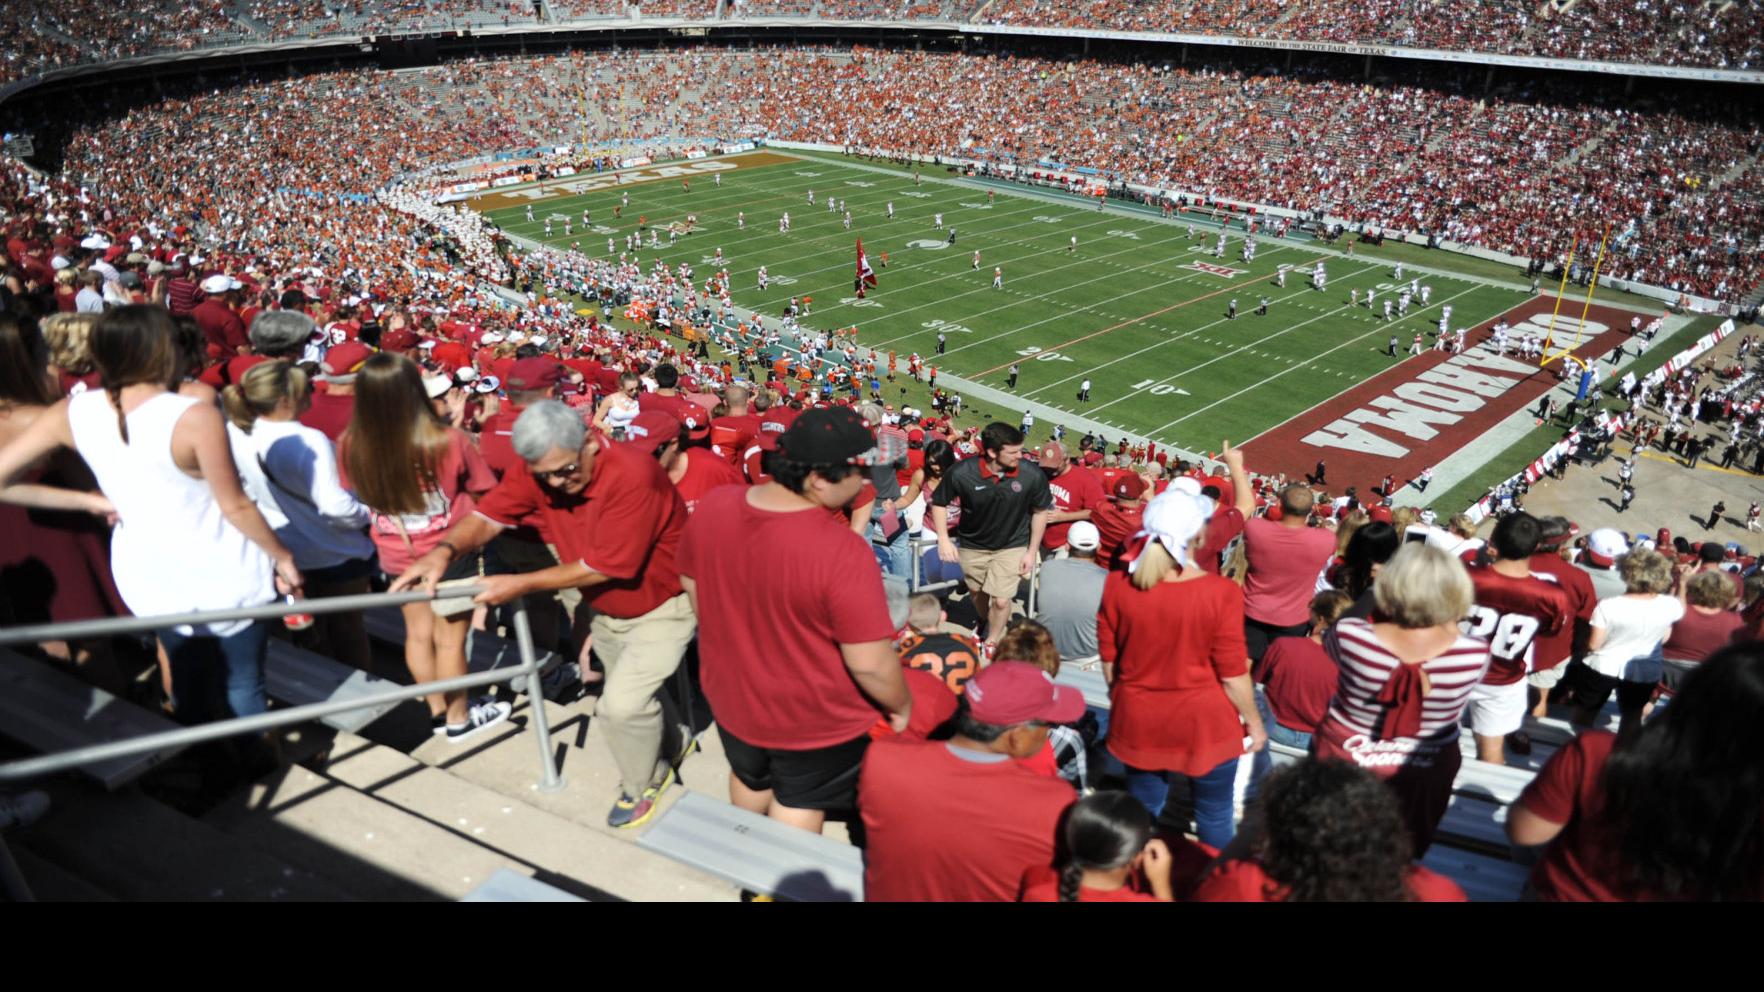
<point x="1005" y="504"/>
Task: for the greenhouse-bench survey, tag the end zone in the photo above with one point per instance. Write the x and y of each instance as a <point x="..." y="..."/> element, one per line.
<point x="589" y="182"/>
<point x="1414" y="415"/>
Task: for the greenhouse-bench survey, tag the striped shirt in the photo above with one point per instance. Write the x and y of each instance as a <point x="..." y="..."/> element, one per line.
<point x="1366" y="665"/>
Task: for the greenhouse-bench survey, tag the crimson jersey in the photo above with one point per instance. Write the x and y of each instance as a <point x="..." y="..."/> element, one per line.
<point x="1559" y="647"/>
<point x="1510" y="614"/>
<point x="1073" y="489"/>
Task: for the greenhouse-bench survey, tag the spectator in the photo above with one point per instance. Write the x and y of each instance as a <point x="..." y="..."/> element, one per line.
<point x="1327" y="832"/>
<point x="1669" y="812"/>
<point x="796" y="667"/>
<point x="1369" y="547"/>
<point x="187" y="537"/>
<point x="618" y="525"/>
<point x="1075" y="493"/>
<point x="927" y="645"/>
<point x="617" y="410"/>
<point x="1626" y="631"/>
<point x="89" y="299"/>
<point x="1298" y="678"/>
<point x="1406" y="678"/>
<point x="1119" y="517"/>
<point x="1070" y="592"/>
<point x="1229" y="514"/>
<point x="394" y="428"/>
<point x="912" y="792"/>
<point x="290" y="472"/>
<point x="1005" y="505"/>
<point x="218" y="319"/>
<point x="332" y="410"/>
<point x="1599" y="561"/>
<point x="1551" y="653"/>
<point x="1064" y="755"/>
<point x="1285" y="558"/>
<point x="1111" y="856"/>
<point x="1513" y="607"/>
<point x="1180" y="691"/>
<point x="1708" y="625"/>
<point x="54" y="565"/>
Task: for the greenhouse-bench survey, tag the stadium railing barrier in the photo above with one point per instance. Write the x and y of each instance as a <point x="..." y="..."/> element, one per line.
<point x="46" y="764"/>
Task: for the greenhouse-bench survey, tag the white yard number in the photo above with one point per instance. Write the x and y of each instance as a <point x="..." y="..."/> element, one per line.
<point x="808" y="173"/>
<point x="858" y="182"/>
<point x="852" y="301"/>
<point x="603" y="229"/>
<point x="1509" y="635"/>
<point x="944" y="325"/>
<point x="1045" y="219"/>
<point x="1157" y="388"/>
<point x="917" y="196"/>
<point x="782" y="280"/>
<point x="1042" y="356"/>
<point x="978" y="206"/>
<point x="1129" y="235"/>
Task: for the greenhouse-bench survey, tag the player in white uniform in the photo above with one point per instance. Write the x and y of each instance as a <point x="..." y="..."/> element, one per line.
<point x="832" y="205"/>
<point x="1386" y="309"/>
<point x="529" y="213"/>
<point x="1458" y="342"/>
<point x="1426" y="292"/>
<point x="1280" y="277"/>
<point x="998" y="278"/>
<point x="890" y="209"/>
<point x="548" y="227"/>
<point x="937" y="219"/>
<point x="784" y="223"/>
<point x="1399" y="272"/>
<point x="1353" y="297"/>
<point x="811" y="197"/>
<point x="1073" y="246"/>
<point x="1445" y="312"/>
<point x="848" y="220"/>
<point x="976" y="261"/>
<point x="717" y="180"/>
<point x="740" y="218"/>
<point x="1442" y="325"/>
<point x="1403" y="305"/>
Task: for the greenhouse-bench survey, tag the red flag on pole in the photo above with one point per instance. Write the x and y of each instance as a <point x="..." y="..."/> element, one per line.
<point x="865" y="275"/>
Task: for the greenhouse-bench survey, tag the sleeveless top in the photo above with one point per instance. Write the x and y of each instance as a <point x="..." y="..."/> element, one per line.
<point x="621" y="413"/>
<point x="173" y="550"/>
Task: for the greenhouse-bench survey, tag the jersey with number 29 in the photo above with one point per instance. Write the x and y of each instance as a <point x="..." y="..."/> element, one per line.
<point x="1510" y="614"/>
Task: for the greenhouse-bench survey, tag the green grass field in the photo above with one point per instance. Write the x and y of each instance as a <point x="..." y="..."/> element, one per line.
<point x="1126" y="310"/>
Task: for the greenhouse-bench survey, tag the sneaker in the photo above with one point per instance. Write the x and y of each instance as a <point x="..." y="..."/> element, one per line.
<point x="628" y="812"/>
<point x="1519" y="742"/>
<point x="481" y="717"/>
<point x="23" y="809"/>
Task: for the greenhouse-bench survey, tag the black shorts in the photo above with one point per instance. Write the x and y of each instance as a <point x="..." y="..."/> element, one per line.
<point x="823" y="778"/>
<point x="1591" y="689"/>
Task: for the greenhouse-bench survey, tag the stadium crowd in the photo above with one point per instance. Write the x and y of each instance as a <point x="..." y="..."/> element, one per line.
<point x="1658" y="32"/>
<point x="287" y="374"/>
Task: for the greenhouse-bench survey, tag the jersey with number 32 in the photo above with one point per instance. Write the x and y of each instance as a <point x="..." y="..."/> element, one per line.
<point x="1510" y="614"/>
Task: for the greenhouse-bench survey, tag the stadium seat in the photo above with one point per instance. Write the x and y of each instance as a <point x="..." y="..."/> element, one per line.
<point x="511" y="886"/>
<point x="297" y="677"/>
<point x="48" y="710"/>
<point x="758" y="854"/>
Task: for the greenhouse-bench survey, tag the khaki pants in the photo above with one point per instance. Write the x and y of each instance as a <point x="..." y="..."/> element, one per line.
<point x="640" y="655"/>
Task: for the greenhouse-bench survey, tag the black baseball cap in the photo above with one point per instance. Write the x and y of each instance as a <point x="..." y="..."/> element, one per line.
<point x="829" y="436"/>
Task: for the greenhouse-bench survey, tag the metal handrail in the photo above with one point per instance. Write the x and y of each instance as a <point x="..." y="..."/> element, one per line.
<point x="46" y="764"/>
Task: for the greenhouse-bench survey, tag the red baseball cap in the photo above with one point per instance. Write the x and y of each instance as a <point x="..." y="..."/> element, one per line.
<point x="346" y="358"/>
<point x="651" y="429"/>
<point x="534" y="373"/>
<point x="1007" y="693"/>
<point x="1129" y="486"/>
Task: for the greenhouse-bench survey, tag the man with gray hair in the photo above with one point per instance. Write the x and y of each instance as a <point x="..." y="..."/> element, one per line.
<point x="282" y="334"/>
<point x="616" y="521"/>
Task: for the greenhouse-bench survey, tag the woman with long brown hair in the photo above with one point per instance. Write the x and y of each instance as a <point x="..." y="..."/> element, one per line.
<point x="187" y="537"/>
<point x="419" y="477"/>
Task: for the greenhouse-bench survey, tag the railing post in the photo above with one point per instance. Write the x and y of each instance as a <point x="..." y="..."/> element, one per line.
<point x="549" y="780"/>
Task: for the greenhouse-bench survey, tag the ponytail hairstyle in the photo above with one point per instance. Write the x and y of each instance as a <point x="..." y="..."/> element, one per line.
<point x="1105" y="831"/>
<point x="261" y="389"/>
<point x="131" y="345"/>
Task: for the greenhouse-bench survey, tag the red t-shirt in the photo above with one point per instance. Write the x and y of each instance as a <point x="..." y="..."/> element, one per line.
<point x="1300" y="681"/>
<point x="947" y="824"/>
<point x="403" y="538"/>
<point x="1245" y="881"/>
<point x="933" y="704"/>
<point x="677" y="405"/>
<point x="329" y="413"/>
<point x="731" y="436"/>
<point x="769" y="640"/>
<point x="496" y="440"/>
<point x="1171" y="646"/>
<point x="1115" y="526"/>
<point x="1284" y="563"/>
<point x="1698" y="635"/>
<point x="1509" y="614"/>
<point x="1553" y="649"/>
<point x="1073" y="489"/>
<point x="626" y="525"/>
<point x="1581" y="864"/>
<point x="705" y="472"/>
<point x="1041" y="883"/>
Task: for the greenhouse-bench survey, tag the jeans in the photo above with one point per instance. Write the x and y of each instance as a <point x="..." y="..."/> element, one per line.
<point x="217" y="677"/>
<point x="1213" y="806"/>
<point x="1263" y="762"/>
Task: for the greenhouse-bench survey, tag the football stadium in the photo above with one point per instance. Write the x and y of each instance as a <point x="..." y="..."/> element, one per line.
<point x="696" y="450"/>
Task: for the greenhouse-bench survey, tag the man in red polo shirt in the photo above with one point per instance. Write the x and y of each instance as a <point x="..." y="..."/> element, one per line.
<point x="617" y="523"/>
<point x="667" y="396"/>
<point x="796" y="644"/>
<point x="1076" y="493"/>
<point x="959" y="820"/>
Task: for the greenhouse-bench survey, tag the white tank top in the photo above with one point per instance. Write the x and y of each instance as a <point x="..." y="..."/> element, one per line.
<point x="173" y="550"/>
<point x="622" y="412"/>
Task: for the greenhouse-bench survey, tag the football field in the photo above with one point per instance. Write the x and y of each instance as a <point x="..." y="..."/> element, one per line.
<point x="1140" y="307"/>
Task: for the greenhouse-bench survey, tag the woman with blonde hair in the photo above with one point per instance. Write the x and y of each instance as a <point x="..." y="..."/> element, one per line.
<point x="187" y="537"/>
<point x="617" y="410"/>
<point x="419" y="477"/>
<point x="1623" y="648"/>
<point x="1406" y="677"/>
<point x="1171" y="639"/>
<point x="68" y="337"/>
<point x="290" y="471"/>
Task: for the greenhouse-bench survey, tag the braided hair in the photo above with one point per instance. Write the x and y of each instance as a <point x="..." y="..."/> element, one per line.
<point x="1105" y="831"/>
<point x="131" y="345"/>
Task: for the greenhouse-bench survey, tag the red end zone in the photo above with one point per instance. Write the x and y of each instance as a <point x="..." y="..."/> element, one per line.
<point x="1411" y="417"/>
